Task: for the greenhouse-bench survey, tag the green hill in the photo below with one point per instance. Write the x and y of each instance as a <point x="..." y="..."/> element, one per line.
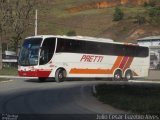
<point x="90" y="20"/>
<point x="55" y="19"/>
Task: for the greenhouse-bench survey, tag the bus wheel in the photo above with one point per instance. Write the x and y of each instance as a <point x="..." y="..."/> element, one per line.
<point x="118" y="75"/>
<point x="128" y="75"/>
<point x="60" y="75"/>
<point x="41" y="79"/>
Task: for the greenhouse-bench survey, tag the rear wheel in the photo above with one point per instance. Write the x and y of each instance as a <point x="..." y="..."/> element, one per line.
<point x="60" y="75"/>
<point x="118" y="75"/>
<point x="128" y="75"/>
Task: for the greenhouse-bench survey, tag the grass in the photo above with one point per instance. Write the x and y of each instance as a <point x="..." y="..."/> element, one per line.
<point x="3" y="79"/>
<point x="54" y="19"/>
<point x="9" y="71"/>
<point x="134" y="98"/>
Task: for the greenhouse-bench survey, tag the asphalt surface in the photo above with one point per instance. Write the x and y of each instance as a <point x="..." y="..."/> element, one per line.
<point x="28" y="97"/>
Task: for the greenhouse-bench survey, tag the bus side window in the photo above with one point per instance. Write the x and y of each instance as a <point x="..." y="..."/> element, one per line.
<point x="129" y="50"/>
<point x="47" y="50"/>
<point x="92" y="48"/>
<point x="44" y="56"/>
<point x="72" y="46"/>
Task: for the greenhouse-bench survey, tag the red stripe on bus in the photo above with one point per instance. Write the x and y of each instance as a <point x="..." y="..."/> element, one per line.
<point x="123" y="63"/>
<point x="37" y="73"/>
<point x="128" y="64"/>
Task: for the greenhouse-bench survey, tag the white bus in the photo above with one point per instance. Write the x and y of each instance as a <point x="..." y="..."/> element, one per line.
<point x="61" y="57"/>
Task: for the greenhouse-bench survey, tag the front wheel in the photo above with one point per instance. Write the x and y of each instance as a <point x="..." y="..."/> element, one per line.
<point x="60" y="75"/>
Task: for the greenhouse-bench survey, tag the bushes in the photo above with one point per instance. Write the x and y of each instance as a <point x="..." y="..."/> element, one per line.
<point x="149" y="15"/>
<point x="150" y="3"/>
<point x="140" y="19"/>
<point x="118" y="14"/>
<point x="71" y="33"/>
<point x="154" y="15"/>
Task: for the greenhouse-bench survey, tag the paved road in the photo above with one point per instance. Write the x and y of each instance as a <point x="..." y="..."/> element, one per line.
<point x="70" y="97"/>
<point x="29" y="97"/>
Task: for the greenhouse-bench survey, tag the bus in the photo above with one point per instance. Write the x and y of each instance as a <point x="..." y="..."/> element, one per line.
<point x="61" y="57"/>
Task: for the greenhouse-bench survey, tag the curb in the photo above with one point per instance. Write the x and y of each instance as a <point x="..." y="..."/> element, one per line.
<point x="16" y="77"/>
<point x="143" y="81"/>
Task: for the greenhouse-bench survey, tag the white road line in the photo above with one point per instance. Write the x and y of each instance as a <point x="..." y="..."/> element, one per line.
<point x="15" y="77"/>
<point x="94" y="89"/>
<point x="143" y="81"/>
<point x="6" y="81"/>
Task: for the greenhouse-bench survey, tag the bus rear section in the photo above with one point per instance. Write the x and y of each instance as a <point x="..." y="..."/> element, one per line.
<point x="80" y="57"/>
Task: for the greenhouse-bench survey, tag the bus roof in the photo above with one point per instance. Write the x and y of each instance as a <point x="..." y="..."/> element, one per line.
<point x="94" y="39"/>
<point x="75" y="37"/>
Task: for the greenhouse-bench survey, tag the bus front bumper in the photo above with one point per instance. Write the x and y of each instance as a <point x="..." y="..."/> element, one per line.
<point x="36" y="73"/>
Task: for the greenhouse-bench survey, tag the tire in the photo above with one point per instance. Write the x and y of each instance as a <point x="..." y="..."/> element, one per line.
<point x="42" y="79"/>
<point x="128" y="75"/>
<point x="60" y="75"/>
<point x="117" y="75"/>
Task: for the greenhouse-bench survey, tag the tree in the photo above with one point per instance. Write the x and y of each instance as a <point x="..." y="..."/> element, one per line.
<point x="22" y="15"/>
<point x="118" y="14"/>
<point x="4" y="20"/>
<point x="15" y="16"/>
<point x="18" y="17"/>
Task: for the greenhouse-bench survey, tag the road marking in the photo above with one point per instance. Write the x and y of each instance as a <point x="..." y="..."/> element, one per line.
<point x="142" y="81"/>
<point x="94" y="89"/>
<point x="15" y="77"/>
<point x="6" y="81"/>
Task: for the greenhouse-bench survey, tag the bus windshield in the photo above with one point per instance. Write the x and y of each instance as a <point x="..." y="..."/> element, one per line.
<point x="29" y="52"/>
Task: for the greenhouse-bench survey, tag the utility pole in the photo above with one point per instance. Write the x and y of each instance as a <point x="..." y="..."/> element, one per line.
<point x="36" y="23"/>
<point x="1" y="64"/>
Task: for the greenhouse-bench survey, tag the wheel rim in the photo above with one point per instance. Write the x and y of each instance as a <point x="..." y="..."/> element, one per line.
<point x="60" y="76"/>
<point x="117" y="76"/>
<point x="128" y="76"/>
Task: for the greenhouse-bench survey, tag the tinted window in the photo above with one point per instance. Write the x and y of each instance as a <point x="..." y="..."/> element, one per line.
<point x="74" y="46"/>
<point x="86" y="47"/>
<point x="47" y="50"/>
<point x="141" y="51"/>
<point x="93" y="48"/>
